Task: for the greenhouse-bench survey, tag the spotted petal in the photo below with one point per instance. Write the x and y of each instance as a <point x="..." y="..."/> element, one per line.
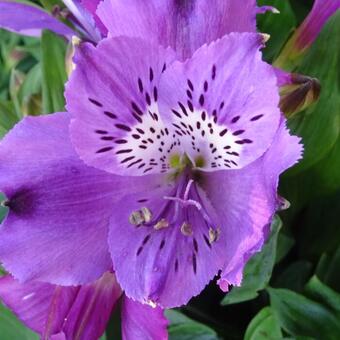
<point x="55" y="202"/>
<point x="216" y="104"/>
<point x="251" y="201"/>
<point x="113" y="95"/>
<point x="183" y="25"/>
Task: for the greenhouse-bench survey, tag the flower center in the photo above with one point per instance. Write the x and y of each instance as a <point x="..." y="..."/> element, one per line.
<point x="182" y="208"/>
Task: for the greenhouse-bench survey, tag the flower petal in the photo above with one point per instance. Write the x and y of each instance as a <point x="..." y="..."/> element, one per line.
<point x="91" y="310"/>
<point x="251" y="201"/>
<point x="142" y="322"/>
<point x="215" y="102"/>
<point x="29" y="20"/>
<point x="57" y="312"/>
<point x="183" y="25"/>
<point x="91" y="6"/>
<point x="316" y="19"/>
<point x="56" y="229"/>
<point x="168" y="259"/>
<point x="85" y="19"/>
<point x="117" y="126"/>
<point x="32" y="303"/>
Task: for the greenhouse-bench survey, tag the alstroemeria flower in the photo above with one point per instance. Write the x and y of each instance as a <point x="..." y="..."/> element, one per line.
<point x="188" y="156"/>
<point x="80" y="313"/>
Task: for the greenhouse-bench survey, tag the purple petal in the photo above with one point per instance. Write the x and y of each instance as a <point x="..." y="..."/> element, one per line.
<point x="91" y="6"/>
<point x="183" y="25"/>
<point x="56" y="229"/>
<point x="316" y="19"/>
<point x="57" y="312"/>
<point x="32" y="302"/>
<point x="168" y="259"/>
<point x="221" y="88"/>
<point x="85" y="19"/>
<point x="91" y="310"/>
<point x="117" y="126"/>
<point x="142" y="321"/>
<point x="283" y="77"/>
<point x="29" y="20"/>
<point x="59" y="336"/>
<point x="251" y="201"/>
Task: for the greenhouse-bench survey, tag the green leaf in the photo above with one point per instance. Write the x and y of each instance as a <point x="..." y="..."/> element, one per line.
<point x="328" y="269"/>
<point x="53" y="49"/>
<point x="264" y="326"/>
<point x="258" y="270"/>
<point x="294" y="276"/>
<point x="49" y="4"/>
<point x="12" y="329"/>
<point x="327" y="170"/>
<point x="278" y="26"/>
<point x="301" y="316"/>
<point x="321" y="212"/>
<point x="3" y="210"/>
<point x="32" y="82"/>
<point x="284" y="244"/>
<point x="323" y="294"/>
<point x="183" y="328"/>
<point x="8" y="117"/>
<point x="30" y="92"/>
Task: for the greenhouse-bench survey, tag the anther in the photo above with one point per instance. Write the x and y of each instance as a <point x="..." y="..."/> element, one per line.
<point x="141" y="216"/>
<point x="214" y="235"/>
<point x="146" y="213"/>
<point x="163" y="223"/>
<point x="136" y="218"/>
<point x="186" y="229"/>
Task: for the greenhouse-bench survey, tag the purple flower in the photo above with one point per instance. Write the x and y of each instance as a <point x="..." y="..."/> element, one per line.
<point x="183" y="160"/>
<point x="60" y="313"/>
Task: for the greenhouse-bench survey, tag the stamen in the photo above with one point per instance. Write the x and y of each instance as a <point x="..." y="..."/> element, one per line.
<point x="138" y="217"/>
<point x="187" y="189"/>
<point x="163" y="223"/>
<point x="214" y="235"/>
<point x="186" y="229"/>
<point x="147" y="215"/>
<point x="185" y="202"/>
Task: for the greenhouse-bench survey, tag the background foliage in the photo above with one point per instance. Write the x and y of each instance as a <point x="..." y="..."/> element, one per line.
<point x="291" y="289"/>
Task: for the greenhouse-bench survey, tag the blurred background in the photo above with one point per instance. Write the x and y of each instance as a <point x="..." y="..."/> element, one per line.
<point x="291" y="289"/>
